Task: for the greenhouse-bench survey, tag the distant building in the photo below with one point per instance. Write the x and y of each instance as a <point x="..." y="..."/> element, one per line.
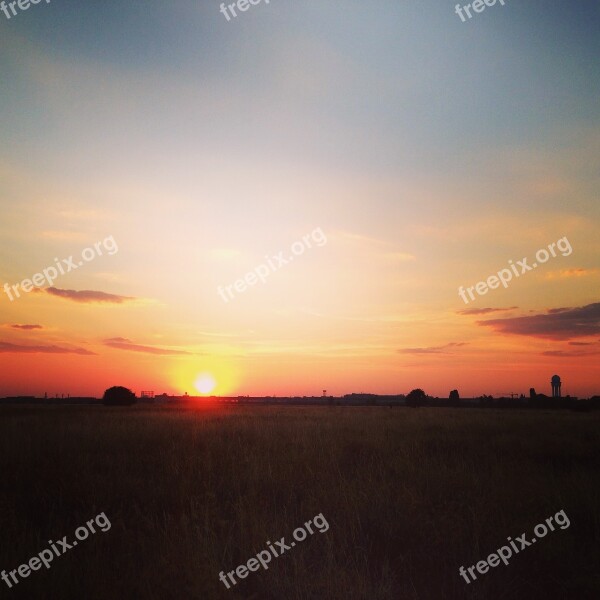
<point x="555" y="382"/>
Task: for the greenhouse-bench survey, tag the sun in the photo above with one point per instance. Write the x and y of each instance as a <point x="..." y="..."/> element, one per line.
<point x="211" y="377"/>
<point x="205" y="383"/>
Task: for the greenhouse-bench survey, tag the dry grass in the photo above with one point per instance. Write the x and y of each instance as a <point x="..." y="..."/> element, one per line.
<point x="410" y="495"/>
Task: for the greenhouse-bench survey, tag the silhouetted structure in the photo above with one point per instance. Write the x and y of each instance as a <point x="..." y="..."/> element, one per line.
<point x="555" y="386"/>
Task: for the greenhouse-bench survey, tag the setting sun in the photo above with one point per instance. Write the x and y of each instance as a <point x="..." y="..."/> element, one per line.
<point x="205" y="383"/>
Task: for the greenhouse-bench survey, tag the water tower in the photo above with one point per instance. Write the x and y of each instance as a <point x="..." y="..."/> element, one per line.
<point x="555" y="386"/>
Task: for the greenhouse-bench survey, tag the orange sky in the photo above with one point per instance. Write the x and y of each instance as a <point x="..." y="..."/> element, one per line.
<point x="203" y="149"/>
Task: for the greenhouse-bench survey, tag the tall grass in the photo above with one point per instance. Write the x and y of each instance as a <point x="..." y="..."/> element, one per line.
<point x="410" y="496"/>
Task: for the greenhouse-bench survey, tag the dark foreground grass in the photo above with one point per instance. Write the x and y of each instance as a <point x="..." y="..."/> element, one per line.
<point x="410" y="495"/>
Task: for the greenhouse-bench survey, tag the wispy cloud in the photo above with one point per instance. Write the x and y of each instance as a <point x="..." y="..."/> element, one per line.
<point x="8" y="348"/>
<point x="433" y="349"/>
<point x="484" y="311"/>
<point x="567" y="273"/>
<point x="576" y="349"/>
<point x="64" y="236"/>
<point x="570" y="353"/>
<point x="556" y="324"/>
<point x="26" y="327"/>
<point x="78" y="214"/>
<point x="121" y="343"/>
<point x="218" y="334"/>
<point x="88" y="296"/>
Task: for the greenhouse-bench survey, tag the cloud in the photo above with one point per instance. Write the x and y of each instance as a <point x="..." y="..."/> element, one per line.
<point x="64" y="236"/>
<point x="432" y="349"/>
<point x="556" y="324"/>
<point x="566" y="273"/>
<point x="580" y="349"/>
<point x="8" y="348"/>
<point x="82" y="215"/>
<point x="484" y="311"/>
<point x="88" y="296"/>
<point x="125" y="344"/>
<point x="570" y="353"/>
<point x="26" y="327"/>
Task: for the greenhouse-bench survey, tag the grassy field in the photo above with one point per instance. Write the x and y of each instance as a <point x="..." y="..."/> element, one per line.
<point x="410" y="495"/>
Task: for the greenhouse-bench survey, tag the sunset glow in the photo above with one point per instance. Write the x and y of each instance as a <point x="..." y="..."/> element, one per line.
<point x="205" y="384"/>
<point x="175" y="174"/>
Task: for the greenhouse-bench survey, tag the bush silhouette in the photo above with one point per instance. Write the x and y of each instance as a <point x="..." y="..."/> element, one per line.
<point x="416" y="398"/>
<point x="119" y="396"/>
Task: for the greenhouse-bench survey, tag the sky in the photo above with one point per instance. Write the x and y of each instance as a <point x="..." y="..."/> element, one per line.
<point x="415" y="153"/>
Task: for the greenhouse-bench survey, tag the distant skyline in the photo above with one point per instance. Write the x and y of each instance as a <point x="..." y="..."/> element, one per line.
<point x="197" y="394"/>
<point x="429" y="151"/>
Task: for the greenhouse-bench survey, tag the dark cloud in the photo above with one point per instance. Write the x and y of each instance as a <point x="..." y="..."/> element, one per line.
<point x="484" y="311"/>
<point x="27" y="327"/>
<point x="125" y="344"/>
<point x="432" y="349"/>
<point x="88" y="296"/>
<point x="570" y="353"/>
<point x="555" y="324"/>
<point x="8" y="348"/>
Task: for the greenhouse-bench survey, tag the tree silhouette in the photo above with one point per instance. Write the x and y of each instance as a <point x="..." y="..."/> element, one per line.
<point x="416" y="398"/>
<point x="119" y="396"/>
<point x="454" y="398"/>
